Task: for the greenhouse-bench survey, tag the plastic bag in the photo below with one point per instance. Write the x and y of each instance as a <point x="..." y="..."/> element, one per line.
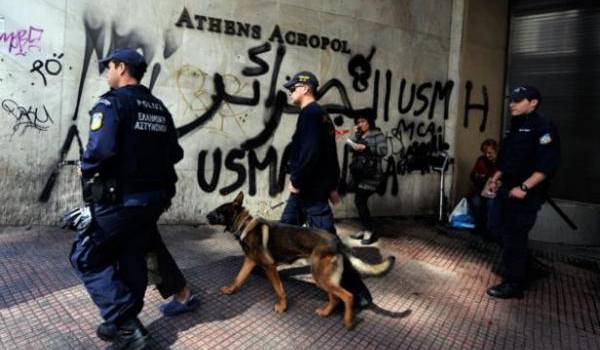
<point x="461" y="216"/>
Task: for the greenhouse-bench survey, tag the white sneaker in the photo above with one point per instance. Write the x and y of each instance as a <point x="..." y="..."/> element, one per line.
<point x="358" y="235"/>
<point x="368" y="238"/>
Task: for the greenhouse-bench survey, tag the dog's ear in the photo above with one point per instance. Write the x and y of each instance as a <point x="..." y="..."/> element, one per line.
<point x="239" y="199"/>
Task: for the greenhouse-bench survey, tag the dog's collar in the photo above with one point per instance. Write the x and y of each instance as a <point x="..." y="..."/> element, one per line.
<point x="238" y="232"/>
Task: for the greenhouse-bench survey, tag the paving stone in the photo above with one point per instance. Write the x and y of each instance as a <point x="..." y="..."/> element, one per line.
<point x="434" y="298"/>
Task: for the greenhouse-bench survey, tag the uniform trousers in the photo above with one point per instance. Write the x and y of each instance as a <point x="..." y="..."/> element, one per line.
<point x="511" y="220"/>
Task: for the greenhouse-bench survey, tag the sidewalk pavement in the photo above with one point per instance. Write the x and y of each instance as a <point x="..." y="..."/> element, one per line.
<point x="434" y="298"/>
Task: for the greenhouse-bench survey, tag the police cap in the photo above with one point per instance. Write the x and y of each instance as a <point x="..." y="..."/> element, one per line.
<point x="303" y="78"/>
<point x="130" y="56"/>
<point x="528" y="92"/>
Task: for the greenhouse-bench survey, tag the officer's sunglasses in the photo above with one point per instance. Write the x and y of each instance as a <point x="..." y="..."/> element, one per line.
<point x="517" y="99"/>
<point x="293" y="88"/>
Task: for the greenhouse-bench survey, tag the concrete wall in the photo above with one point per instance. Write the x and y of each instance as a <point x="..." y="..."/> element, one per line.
<point x="384" y="52"/>
<point x="482" y="68"/>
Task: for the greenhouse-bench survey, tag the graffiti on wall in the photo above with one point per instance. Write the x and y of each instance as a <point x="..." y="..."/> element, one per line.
<point x="27" y="117"/>
<point x="96" y="30"/>
<point x="416" y="145"/>
<point x="470" y="106"/>
<point x="51" y="67"/>
<point x="21" y="41"/>
<point x="417" y="115"/>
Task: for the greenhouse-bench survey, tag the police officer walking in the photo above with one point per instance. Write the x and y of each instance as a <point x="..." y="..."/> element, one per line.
<point x="528" y="158"/>
<point x="314" y="172"/>
<point x="129" y="176"/>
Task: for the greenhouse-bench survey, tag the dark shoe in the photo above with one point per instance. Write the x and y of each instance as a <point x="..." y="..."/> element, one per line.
<point x="107" y="331"/>
<point x="362" y="302"/>
<point x="174" y="308"/>
<point x="131" y="335"/>
<point x="506" y="290"/>
<point x="358" y="235"/>
<point x="368" y="238"/>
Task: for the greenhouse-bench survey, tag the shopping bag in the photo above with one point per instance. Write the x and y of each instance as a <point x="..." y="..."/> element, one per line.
<point x="461" y="216"/>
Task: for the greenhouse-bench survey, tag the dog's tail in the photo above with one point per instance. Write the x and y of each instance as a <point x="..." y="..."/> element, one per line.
<point x="372" y="269"/>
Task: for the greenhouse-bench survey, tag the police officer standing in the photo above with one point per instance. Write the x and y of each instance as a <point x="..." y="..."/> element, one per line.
<point x="129" y="176"/>
<point x="528" y="158"/>
<point x="314" y="172"/>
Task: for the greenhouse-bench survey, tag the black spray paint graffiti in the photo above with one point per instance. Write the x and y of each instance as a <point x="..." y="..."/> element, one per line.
<point x="360" y="69"/>
<point x="421" y="143"/>
<point x="275" y="104"/>
<point x="51" y="66"/>
<point x="234" y="164"/>
<point x="27" y="117"/>
<point x="481" y="107"/>
<point x="94" y="42"/>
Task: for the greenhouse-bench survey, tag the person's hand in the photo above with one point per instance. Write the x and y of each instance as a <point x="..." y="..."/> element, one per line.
<point x="517" y="193"/>
<point x="359" y="147"/>
<point x="334" y="197"/>
<point x="492" y="185"/>
<point x="490" y="188"/>
<point x="293" y="189"/>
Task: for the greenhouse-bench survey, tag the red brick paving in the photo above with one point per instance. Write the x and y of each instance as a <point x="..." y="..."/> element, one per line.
<point x="434" y="298"/>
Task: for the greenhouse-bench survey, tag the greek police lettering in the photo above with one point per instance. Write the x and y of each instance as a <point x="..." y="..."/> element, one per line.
<point x="524" y="130"/>
<point x="151" y="122"/>
<point x="149" y="105"/>
<point x="152" y="118"/>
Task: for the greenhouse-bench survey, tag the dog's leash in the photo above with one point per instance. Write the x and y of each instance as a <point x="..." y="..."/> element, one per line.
<point x="277" y="205"/>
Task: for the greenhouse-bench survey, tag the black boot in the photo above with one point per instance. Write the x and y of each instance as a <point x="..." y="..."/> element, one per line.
<point x="131" y="335"/>
<point x="506" y="290"/>
<point x="107" y="331"/>
<point x="362" y="300"/>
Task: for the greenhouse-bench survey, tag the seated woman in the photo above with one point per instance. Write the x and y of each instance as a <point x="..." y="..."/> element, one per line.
<point x="484" y="168"/>
<point x="368" y="146"/>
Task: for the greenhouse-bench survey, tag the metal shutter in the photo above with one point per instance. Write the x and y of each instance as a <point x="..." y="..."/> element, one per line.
<point x="555" y="46"/>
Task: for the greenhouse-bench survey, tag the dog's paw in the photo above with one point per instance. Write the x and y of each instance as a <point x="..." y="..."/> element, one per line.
<point x="323" y="311"/>
<point x="228" y="289"/>
<point x="349" y="325"/>
<point x="280" y="307"/>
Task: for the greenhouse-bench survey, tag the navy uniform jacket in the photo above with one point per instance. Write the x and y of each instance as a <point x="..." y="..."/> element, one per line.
<point x="314" y="167"/>
<point x="133" y="140"/>
<point x="531" y="144"/>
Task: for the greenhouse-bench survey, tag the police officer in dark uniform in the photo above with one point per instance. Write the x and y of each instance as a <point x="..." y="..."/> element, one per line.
<point x="528" y="158"/>
<point x="314" y="173"/>
<point x="129" y="177"/>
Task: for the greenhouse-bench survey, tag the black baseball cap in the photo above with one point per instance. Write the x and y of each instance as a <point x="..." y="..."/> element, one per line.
<point x="303" y="77"/>
<point x="525" y="92"/>
<point x="127" y="55"/>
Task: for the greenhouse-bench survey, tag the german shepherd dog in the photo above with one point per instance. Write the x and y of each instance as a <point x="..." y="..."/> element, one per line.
<point x="269" y="243"/>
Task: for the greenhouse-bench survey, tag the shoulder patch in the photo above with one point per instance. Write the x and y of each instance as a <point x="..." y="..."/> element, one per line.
<point x="545" y="139"/>
<point x="96" y="122"/>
